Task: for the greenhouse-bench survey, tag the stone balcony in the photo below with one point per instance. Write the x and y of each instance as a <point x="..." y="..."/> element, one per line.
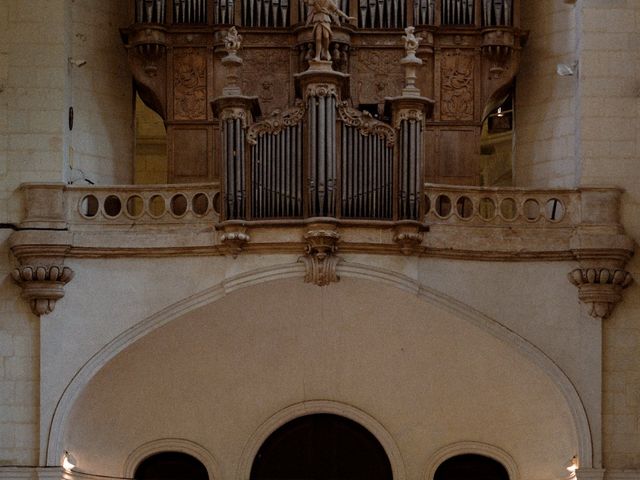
<point x="474" y="223"/>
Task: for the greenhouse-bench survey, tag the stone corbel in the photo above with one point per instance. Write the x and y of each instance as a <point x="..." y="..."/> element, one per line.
<point x="234" y="238"/>
<point x="602" y="250"/>
<point x="408" y="235"/>
<point x="320" y="260"/>
<point x="42" y="285"/>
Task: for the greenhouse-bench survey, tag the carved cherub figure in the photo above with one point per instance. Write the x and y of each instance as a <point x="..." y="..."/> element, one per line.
<point x="411" y="42"/>
<point x="232" y="41"/>
<point x="321" y="14"/>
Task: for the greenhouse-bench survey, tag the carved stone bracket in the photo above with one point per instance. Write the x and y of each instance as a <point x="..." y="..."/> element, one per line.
<point x="408" y="235"/>
<point x="320" y="259"/>
<point x="42" y="285"/>
<point x="277" y="121"/>
<point x="234" y="239"/>
<point x="366" y="124"/>
<point x="600" y="288"/>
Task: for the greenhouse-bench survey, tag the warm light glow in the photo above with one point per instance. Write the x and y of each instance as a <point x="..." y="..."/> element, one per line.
<point x="500" y="114"/>
<point x="572" y="467"/>
<point x="68" y="462"/>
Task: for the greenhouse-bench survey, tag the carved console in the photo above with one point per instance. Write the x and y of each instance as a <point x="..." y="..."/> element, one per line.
<point x="42" y="285"/>
<point x="320" y="260"/>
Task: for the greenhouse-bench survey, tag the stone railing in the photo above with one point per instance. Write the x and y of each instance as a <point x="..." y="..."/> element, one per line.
<point x="466" y="223"/>
<point x="142" y="205"/>
<point x="500" y="206"/>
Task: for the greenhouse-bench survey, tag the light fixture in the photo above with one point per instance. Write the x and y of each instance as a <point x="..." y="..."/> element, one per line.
<point x="572" y="467"/>
<point x="68" y="462"/>
<point x="500" y="114"/>
<point x="565" y="70"/>
<point x="77" y="62"/>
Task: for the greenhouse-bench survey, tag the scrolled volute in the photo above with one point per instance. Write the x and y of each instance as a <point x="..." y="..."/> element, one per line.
<point x="276" y="122"/>
<point x="366" y="124"/>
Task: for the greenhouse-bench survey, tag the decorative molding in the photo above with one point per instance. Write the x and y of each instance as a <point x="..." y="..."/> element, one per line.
<point x="600" y="288"/>
<point x="235" y="240"/>
<point x="408" y="115"/>
<point x="42" y="286"/>
<point x="172" y="445"/>
<point x="321" y="90"/>
<point x="365" y="123"/>
<point x="277" y="121"/>
<point x="311" y="407"/>
<point x="320" y="260"/>
<point x="479" y="448"/>
<point x="235" y="113"/>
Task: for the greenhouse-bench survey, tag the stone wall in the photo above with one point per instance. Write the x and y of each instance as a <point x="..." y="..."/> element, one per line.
<point x="546" y="103"/>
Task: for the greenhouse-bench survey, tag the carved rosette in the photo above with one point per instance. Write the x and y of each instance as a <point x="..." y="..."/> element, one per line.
<point x="42" y="285"/>
<point x="600" y="288"/>
<point x="320" y="259"/>
<point x="278" y="121"/>
<point x="366" y="124"/>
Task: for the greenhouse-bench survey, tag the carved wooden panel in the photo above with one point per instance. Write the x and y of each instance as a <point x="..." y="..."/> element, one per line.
<point x="457" y="85"/>
<point x="266" y="74"/>
<point x="377" y="74"/>
<point x="190" y="84"/>
<point x="189" y="153"/>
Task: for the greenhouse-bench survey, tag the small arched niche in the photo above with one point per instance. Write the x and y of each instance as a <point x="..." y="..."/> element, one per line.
<point x="321" y="447"/>
<point x="471" y="466"/>
<point x="171" y="466"/>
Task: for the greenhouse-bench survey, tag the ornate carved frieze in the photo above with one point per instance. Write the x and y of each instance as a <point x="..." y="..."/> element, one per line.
<point x="457" y="96"/>
<point x="365" y="123"/>
<point x="267" y="76"/>
<point x="321" y="90"/>
<point x="408" y="114"/>
<point x="235" y="113"/>
<point x="600" y="288"/>
<point x="190" y="84"/>
<point x="42" y="285"/>
<point x="277" y="121"/>
<point x="378" y="75"/>
<point x="320" y="259"/>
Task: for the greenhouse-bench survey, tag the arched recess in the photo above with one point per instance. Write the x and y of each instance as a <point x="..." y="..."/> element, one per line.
<point x="347" y="270"/>
<point x="181" y="445"/>
<point x="477" y="448"/>
<point x="314" y="407"/>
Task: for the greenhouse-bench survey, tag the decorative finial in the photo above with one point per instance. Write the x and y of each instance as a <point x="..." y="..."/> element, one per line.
<point x="410" y="62"/>
<point x="232" y="43"/>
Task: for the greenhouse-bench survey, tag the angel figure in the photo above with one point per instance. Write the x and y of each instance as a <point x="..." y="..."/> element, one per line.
<point x="321" y="14"/>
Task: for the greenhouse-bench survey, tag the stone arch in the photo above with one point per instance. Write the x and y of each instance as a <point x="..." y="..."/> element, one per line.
<point x="478" y="448"/>
<point x="320" y="406"/>
<point x="171" y="445"/>
<point x="55" y="449"/>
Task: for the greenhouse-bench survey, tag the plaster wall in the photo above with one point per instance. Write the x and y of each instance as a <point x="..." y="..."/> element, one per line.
<point x="429" y="378"/>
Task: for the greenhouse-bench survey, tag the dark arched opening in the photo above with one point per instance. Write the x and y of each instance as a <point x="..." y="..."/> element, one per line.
<point x="471" y="467"/>
<point x="171" y="466"/>
<point x="321" y="447"/>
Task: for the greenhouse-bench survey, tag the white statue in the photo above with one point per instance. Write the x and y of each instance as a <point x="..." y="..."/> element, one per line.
<point x="232" y="41"/>
<point x="321" y="14"/>
<point x="411" y="42"/>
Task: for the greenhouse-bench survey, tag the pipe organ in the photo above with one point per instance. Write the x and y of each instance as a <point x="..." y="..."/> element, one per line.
<point x="350" y="154"/>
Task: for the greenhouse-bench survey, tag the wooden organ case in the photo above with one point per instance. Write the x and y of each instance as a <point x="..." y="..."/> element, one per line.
<point x="470" y="52"/>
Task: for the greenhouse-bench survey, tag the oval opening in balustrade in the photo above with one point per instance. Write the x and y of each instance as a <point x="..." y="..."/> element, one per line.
<point x="554" y="210"/>
<point x="487" y="209"/>
<point x="464" y="207"/>
<point x="179" y="205"/>
<point x="89" y="206"/>
<point x="508" y="209"/>
<point x="200" y="204"/>
<point x="531" y="210"/>
<point x="157" y="206"/>
<point x="135" y="206"/>
<point x="112" y="206"/>
<point x="216" y="203"/>
<point x="443" y="206"/>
